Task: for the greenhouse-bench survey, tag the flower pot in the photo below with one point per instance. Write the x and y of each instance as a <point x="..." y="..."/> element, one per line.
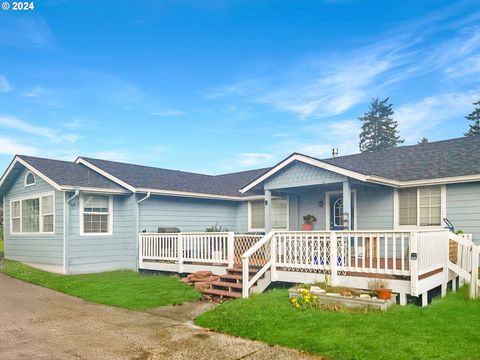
<point x="383" y="294"/>
<point x="307" y="227"/>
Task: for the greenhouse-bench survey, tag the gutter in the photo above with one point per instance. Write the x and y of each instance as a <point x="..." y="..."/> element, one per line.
<point x="66" y="227"/>
<point x="144" y="198"/>
<point x="137" y="224"/>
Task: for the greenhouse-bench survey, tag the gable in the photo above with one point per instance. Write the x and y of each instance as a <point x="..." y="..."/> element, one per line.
<point x="301" y="174"/>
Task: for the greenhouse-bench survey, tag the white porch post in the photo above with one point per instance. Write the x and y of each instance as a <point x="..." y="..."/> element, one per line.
<point x="268" y="211"/>
<point x="347" y="205"/>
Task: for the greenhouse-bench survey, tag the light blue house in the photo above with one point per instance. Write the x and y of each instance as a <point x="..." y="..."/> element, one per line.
<point x="85" y="216"/>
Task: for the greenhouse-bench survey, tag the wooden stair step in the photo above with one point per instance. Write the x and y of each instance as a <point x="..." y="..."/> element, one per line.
<point x="222" y="293"/>
<point x="232" y="277"/>
<point x="240" y="270"/>
<point x="226" y="284"/>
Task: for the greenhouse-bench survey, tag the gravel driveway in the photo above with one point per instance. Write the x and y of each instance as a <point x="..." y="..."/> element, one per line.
<point x="38" y="323"/>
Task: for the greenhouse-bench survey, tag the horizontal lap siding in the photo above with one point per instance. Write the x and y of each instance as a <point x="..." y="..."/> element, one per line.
<point x="189" y="214"/>
<point x="308" y="205"/>
<point x="106" y="252"/>
<point x="374" y="208"/>
<point x="37" y="248"/>
<point x="242" y="217"/>
<point x="463" y="208"/>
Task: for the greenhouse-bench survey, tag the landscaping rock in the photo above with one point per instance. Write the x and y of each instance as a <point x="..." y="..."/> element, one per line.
<point x="317" y="290"/>
<point x="365" y="296"/>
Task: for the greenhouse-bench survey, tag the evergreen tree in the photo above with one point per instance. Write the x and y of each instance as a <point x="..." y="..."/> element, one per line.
<point x="474" y="116"/>
<point x="379" y="130"/>
<point x="423" y="140"/>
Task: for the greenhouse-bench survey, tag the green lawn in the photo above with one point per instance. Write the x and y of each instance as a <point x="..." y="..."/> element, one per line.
<point x="448" y="329"/>
<point x="127" y="289"/>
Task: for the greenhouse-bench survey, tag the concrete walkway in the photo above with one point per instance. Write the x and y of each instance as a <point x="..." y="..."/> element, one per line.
<point x="38" y="323"/>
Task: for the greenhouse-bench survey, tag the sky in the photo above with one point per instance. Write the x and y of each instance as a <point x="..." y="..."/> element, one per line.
<point x="223" y="86"/>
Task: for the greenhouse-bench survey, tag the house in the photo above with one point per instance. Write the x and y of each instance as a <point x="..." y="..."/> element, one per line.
<point x="86" y="216"/>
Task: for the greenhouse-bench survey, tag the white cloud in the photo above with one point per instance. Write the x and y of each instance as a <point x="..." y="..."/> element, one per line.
<point x="12" y="147"/>
<point x="254" y="159"/>
<point x="5" y="85"/>
<point x="418" y="119"/>
<point x="74" y="124"/>
<point x="20" y="125"/>
<point x="113" y="155"/>
<point x="167" y="113"/>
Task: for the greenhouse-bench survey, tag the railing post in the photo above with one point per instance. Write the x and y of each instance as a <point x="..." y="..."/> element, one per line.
<point x="413" y="263"/>
<point x="273" y="258"/>
<point x="180" y="252"/>
<point x="474" y="274"/>
<point x="245" y="277"/>
<point x="231" y="249"/>
<point x="333" y="258"/>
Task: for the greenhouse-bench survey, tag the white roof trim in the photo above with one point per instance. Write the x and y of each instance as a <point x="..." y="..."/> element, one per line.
<point x="30" y="168"/>
<point x="105" y="174"/>
<point x="306" y="160"/>
<point x="94" y="189"/>
<point x="198" y="195"/>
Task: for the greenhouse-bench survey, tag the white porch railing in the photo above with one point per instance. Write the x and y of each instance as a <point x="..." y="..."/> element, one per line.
<point x="192" y="247"/>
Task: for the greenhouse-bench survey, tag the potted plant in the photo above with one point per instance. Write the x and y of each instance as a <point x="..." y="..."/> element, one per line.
<point x="308" y="221"/>
<point x="379" y="286"/>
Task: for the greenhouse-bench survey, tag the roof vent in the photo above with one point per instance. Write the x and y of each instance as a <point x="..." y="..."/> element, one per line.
<point x="334" y="152"/>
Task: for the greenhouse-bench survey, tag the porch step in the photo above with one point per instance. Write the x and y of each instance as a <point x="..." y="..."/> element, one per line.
<point x="228" y="285"/>
<point x="235" y="277"/>
<point x="222" y="293"/>
<point x="240" y="270"/>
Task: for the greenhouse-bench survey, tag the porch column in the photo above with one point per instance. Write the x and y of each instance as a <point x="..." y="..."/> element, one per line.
<point x="268" y="211"/>
<point x="347" y="206"/>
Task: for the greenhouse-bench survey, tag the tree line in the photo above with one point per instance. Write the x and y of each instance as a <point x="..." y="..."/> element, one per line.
<point x="380" y="130"/>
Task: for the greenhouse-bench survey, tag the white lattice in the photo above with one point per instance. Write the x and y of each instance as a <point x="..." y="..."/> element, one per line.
<point x="242" y="243"/>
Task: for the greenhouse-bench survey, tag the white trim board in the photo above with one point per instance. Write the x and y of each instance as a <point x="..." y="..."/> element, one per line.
<point x="358" y="176"/>
<point x="110" y="216"/>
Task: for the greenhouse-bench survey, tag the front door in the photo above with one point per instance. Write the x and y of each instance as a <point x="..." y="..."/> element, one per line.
<point x="336" y="212"/>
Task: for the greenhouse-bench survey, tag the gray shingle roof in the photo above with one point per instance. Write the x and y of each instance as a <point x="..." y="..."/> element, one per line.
<point x="66" y="173"/>
<point x="455" y="157"/>
<point x="147" y="177"/>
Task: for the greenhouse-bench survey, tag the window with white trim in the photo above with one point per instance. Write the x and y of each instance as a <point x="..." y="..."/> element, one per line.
<point x="279" y="214"/>
<point x="32" y="215"/>
<point x="420" y="206"/>
<point x="29" y="179"/>
<point x="96" y="214"/>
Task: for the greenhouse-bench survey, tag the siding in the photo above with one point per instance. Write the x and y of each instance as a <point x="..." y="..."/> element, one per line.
<point x="37" y="248"/>
<point x="463" y="208"/>
<point x="104" y="252"/>
<point x="190" y="214"/>
<point x="308" y="205"/>
<point x="374" y="208"/>
<point x="301" y="174"/>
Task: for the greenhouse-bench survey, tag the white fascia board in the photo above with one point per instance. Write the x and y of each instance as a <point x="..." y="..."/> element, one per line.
<point x="95" y="190"/>
<point x="106" y="174"/>
<point x="30" y="168"/>
<point x="198" y="195"/>
<point x="306" y="160"/>
<point x="425" y="182"/>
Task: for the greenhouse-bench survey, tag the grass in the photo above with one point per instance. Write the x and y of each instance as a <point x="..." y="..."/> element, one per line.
<point x="124" y="288"/>
<point x="448" y="329"/>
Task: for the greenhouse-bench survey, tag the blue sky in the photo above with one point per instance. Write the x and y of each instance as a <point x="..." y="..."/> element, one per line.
<point x="221" y="86"/>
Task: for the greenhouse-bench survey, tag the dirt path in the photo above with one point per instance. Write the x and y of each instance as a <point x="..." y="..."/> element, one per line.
<point x="38" y="323"/>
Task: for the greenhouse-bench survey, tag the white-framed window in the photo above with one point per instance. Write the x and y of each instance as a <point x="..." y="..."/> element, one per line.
<point x="96" y="214"/>
<point x="29" y="179"/>
<point x="279" y="214"/>
<point x="33" y="214"/>
<point x="422" y="206"/>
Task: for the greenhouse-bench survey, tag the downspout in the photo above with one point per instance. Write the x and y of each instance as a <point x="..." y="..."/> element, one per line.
<point x="137" y="232"/>
<point x="66" y="228"/>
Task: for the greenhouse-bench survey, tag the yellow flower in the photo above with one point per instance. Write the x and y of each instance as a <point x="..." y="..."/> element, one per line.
<point x="315" y="297"/>
<point x="297" y="306"/>
<point x="307" y="300"/>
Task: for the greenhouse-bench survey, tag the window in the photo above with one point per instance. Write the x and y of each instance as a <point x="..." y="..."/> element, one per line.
<point x="279" y="215"/>
<point x="29" y="179"/>
<point x="96" y="217"/>
<point x="338" y="212"/>
<point x="407" y="200"/>
<point x="430" y="206"/>
<point x="420" y="206"/>
<point x="32" y="215"/>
